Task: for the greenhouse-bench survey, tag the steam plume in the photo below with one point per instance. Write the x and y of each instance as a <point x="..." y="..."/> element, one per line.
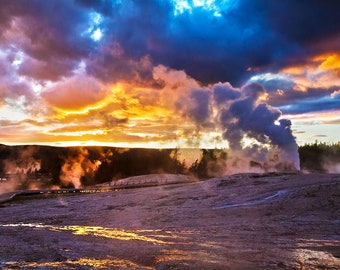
<point x="252" y="128"/>
<point x="16" y="167"/>
<point x="246" y="117"/>
<point x="77" y="165"/>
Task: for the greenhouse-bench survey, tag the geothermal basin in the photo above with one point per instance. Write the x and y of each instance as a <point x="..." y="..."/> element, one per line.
<point x="243" y="221"/>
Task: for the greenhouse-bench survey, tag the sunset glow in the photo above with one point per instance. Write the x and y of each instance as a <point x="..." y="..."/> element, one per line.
<point x="150" y="74"/>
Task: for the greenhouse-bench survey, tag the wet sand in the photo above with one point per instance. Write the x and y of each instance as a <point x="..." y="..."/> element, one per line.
<point x="248" y="221"/>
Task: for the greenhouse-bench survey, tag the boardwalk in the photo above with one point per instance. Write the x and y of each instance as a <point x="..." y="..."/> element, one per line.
<point x="131" y="182"/>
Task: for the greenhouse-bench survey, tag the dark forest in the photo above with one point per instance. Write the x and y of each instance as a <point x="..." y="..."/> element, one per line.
<point x="52" y="166"/>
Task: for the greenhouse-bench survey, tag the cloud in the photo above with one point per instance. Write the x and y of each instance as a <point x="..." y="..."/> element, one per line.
<point x="334" y="121"/>
<point x="221" y="48"/>
<point x="15" y="93"/>
<point x="52" y="70"/>
<point x="308" y="88"/>
<point x="42" y="31"/>
<point x="182" y="71"/>
<point x="327" y="103"/>
<point x="75" y="93"/>
<point x="336" y="94"/>
<point x="319" y="136"/>
<point x="323" y="22"/>
<point x="225" y="41"/>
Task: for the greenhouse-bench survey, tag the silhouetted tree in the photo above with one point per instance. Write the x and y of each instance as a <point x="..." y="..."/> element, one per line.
<point x="317" y="156"/>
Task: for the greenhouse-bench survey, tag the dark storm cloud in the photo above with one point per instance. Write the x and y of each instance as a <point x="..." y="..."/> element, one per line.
<point x="326" y="103"/>
<point x="211" y="48"/>
<point x="110" y="66"/>
<point x="259" y="34"/>
<point x="207" y="47"/>
<point x="305" y="22"/>
<point x="293" y="98"/>
<point x="48" y="32"/>
<point x="300" y="29"/>
<point x="103" y="6"/>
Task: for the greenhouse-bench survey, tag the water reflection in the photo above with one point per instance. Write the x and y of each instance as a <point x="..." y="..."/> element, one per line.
<point x="152" y="236"/>
<point x="75" y="264"/>
<point x="112" y="233"/>
<point x="180" y="247"/>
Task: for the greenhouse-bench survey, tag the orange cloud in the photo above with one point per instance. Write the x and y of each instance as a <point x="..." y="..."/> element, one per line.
<point x="321" y="71"/>
<point x="81" y="110"/>
<point x="75" y="93"/>
<point x="329" y="61"/>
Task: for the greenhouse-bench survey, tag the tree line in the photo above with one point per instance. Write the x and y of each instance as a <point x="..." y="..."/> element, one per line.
<point x="319" y="156"/>
<point x="97" y="164"/>
<point x="103" y="164"/>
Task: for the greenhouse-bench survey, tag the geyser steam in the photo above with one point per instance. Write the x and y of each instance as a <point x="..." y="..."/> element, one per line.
<point x="248" y="117"/>
<point x="252" y="128"/>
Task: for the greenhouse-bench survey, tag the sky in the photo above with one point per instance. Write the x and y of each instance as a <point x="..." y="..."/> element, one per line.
<point x="169" y="73"/>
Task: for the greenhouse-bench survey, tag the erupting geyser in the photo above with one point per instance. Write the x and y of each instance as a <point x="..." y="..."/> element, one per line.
<point x="252" y="128"/>
<point x="244" y="116"/>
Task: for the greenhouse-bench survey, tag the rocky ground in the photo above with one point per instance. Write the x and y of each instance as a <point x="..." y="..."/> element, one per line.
<point x="246" y="221"/>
